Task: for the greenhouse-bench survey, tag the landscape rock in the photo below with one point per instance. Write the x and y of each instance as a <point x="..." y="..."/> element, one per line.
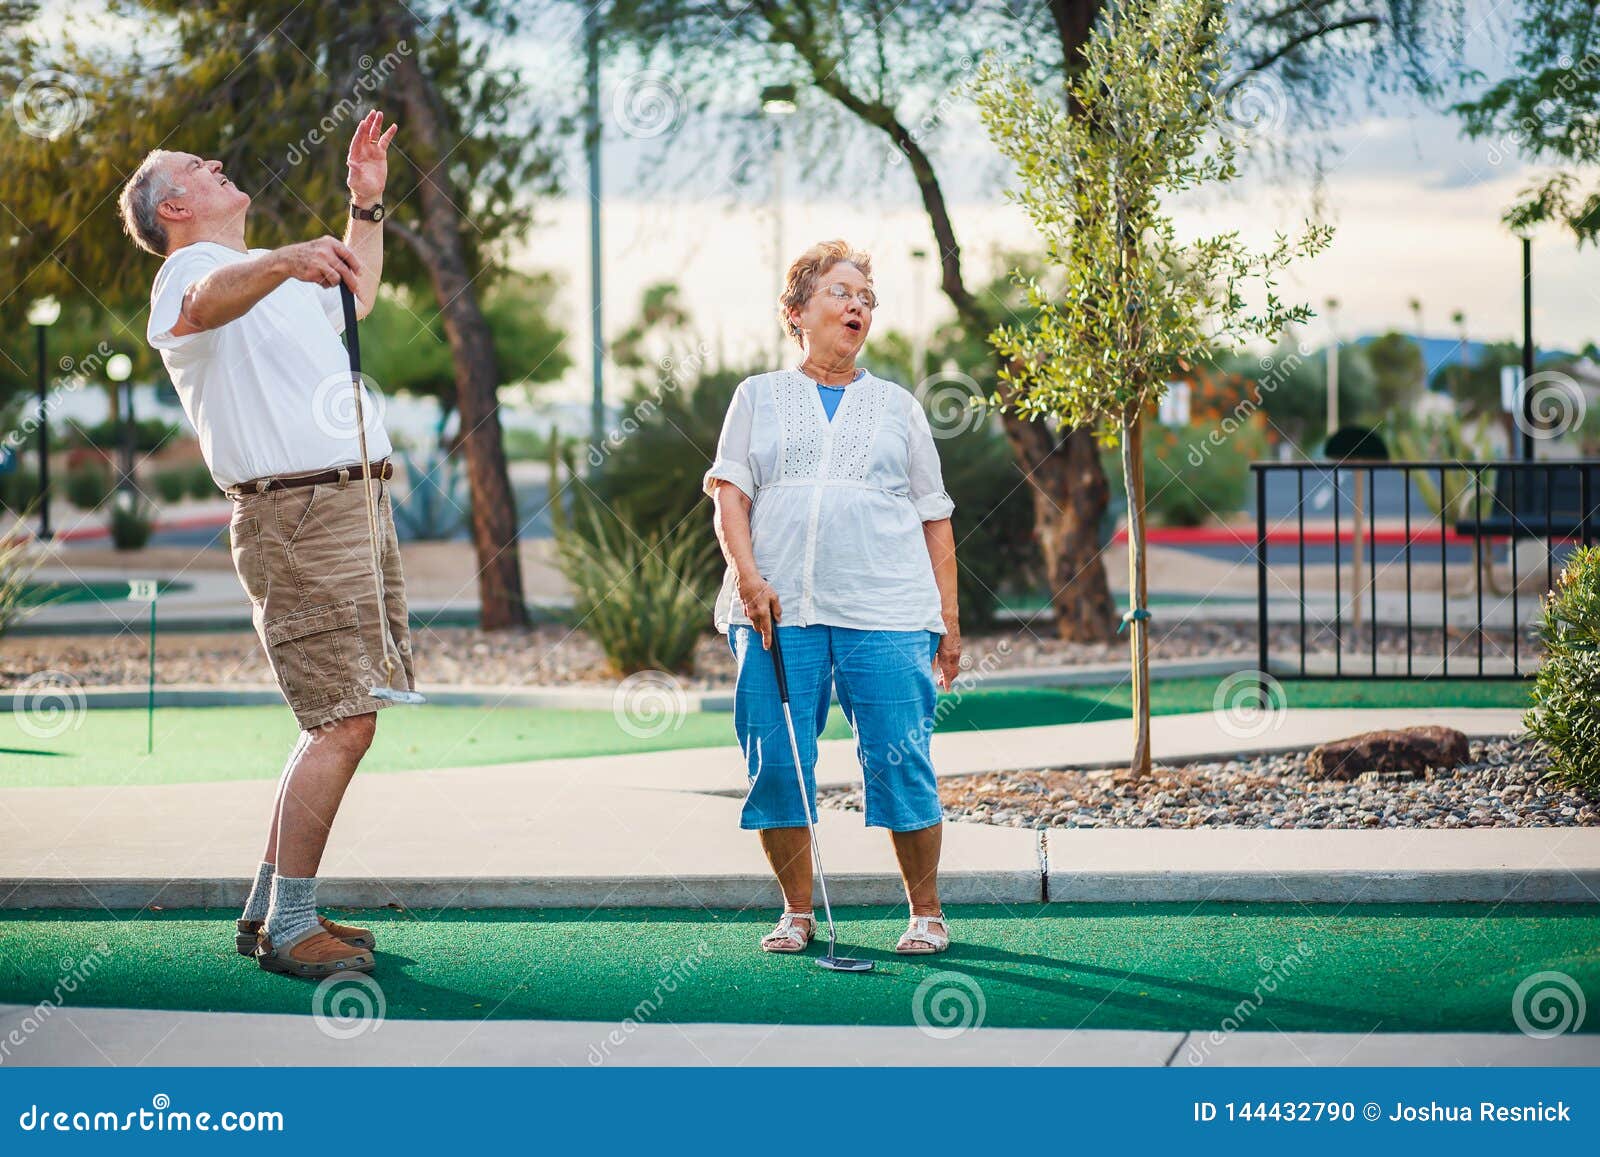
<point x="1409" y="749"/>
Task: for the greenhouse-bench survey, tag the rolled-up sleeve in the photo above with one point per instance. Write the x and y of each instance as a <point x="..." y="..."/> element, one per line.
<point x="927" y="480"/>
<point x="732" y="463"/>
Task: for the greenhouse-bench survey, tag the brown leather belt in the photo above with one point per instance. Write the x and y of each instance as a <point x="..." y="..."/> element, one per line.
<point x="382" y="469"/>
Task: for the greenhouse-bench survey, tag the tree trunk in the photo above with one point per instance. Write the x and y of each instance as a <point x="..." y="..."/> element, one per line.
<point x="441" y="249"/>
<point x="1138" y="586"/>
<point x="1070" y="495"/>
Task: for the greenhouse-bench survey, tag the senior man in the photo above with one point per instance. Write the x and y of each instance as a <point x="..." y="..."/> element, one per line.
<point x="250" y="339"/>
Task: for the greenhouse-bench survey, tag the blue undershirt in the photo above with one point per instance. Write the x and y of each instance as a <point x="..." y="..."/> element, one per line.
<point x="832" y="395"/>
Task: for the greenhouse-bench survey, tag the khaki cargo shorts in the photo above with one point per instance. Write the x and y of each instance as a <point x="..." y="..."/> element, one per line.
<point x="303" y="557"/>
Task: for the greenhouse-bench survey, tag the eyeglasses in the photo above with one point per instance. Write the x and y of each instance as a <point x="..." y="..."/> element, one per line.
<point x="838" y="291"/>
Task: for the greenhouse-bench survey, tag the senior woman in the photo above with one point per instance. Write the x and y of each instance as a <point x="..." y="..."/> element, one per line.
<point x="832" y="515"/>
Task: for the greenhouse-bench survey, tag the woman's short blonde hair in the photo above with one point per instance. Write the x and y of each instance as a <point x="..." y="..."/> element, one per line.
<point x="801" y="282"/>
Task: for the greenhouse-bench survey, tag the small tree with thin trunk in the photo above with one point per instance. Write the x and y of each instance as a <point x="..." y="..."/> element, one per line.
<point x="1129" y="304"/>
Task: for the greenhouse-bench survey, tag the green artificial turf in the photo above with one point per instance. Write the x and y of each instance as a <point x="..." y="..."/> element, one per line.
<point x="103" y="591"/>
<point x="1256" y="967"/>
<point x="202" y="744"/>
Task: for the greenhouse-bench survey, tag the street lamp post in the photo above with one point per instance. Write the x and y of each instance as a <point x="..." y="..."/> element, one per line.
<point x="777" y="102"/>
<point x="119" y="368"/>
<point x="1527" y="347"/>
<point x="1333" y="365"/>
<point x="919" y="340"/>
<point x="42" y="314"/>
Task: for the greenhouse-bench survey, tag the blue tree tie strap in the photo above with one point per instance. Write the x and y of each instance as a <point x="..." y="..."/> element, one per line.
<point x="1137" y="615"/>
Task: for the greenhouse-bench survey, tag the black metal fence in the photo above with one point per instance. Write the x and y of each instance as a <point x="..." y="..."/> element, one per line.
<point x="1386" y="521"/>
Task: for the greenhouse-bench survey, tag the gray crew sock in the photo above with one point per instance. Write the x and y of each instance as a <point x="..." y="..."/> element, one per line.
<point x="293" y="914"/>
<point x="255" y="908"/>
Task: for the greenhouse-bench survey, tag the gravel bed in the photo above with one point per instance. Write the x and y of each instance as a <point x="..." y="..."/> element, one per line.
<point x="1499" y="788"/>
<point x="553" y="655"/>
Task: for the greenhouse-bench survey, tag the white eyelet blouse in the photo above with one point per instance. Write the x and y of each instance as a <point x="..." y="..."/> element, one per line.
<point x="837" y="507"/>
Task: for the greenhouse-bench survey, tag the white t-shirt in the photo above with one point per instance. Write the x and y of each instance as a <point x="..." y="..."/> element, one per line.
<point x="269" y="393"/>
<point x="838" y="506"/>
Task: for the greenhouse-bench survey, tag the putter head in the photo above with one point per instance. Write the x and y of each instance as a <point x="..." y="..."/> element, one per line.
<point x="394" y="695"/>
<point x="845" y="964"/>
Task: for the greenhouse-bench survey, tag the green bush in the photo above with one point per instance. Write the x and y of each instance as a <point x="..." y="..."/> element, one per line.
<point x="171" y="484"/>
<point x="88" y="486"/>
<point x="643" y="598"/>
<point x="18" y="489"/>
<point x="132" y="520"/>
<point x="1565" y="716"/>
<point x="149" y="435"/>
<point x="201" y="485"/>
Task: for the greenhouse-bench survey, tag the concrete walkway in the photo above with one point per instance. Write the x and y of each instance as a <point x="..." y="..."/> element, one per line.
<point x="661" y="829"/>
<point x="141" y="1038"/>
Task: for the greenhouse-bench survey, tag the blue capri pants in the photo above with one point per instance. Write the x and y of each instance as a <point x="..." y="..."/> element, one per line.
<point x="886" y="689"/>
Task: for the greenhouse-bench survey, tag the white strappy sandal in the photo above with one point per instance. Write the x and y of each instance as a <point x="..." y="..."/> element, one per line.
<point x="921" y="935"/>
<point x="791" y="935"/>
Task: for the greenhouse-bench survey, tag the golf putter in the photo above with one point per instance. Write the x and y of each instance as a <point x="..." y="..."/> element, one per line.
<point x="388" y="692"/>
<point x="833" y="962"/>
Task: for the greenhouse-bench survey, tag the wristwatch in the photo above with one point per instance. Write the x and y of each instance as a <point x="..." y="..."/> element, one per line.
<point x="373" y="214"/>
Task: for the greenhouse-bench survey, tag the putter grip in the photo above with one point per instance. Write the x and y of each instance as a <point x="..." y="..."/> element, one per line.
<point x="352" y="339"/>
<point x="777" y="666"/>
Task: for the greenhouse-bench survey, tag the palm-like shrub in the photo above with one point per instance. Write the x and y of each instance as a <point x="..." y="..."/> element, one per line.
<point x="17" y="563"/>
<point x="643" y="595"/>
<point x="1565" y="716"/>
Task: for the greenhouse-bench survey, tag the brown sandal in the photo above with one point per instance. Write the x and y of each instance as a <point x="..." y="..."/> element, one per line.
<point x="249" y="933"/>
<point x="318" y="955"/>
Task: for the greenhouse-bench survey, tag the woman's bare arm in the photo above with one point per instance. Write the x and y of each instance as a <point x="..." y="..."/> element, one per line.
<point x="731" y="519"/>
<point x="941" y="541"/>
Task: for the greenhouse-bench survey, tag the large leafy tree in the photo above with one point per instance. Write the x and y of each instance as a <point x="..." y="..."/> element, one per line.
<point x="273" y="88"/>
<point x="893" y="69"/>
<point x="1544" y="109"/>
<point x="1097" y="174"/>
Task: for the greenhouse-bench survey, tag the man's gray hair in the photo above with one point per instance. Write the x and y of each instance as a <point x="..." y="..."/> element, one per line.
<point x="142" y="195"/>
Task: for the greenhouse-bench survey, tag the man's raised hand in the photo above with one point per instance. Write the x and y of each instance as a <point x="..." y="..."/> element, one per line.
<point x="325" y="261"/>
<point x="369" y="159"/>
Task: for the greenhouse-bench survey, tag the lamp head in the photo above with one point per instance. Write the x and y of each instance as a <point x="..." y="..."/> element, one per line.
<point x="44" y="311"/>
